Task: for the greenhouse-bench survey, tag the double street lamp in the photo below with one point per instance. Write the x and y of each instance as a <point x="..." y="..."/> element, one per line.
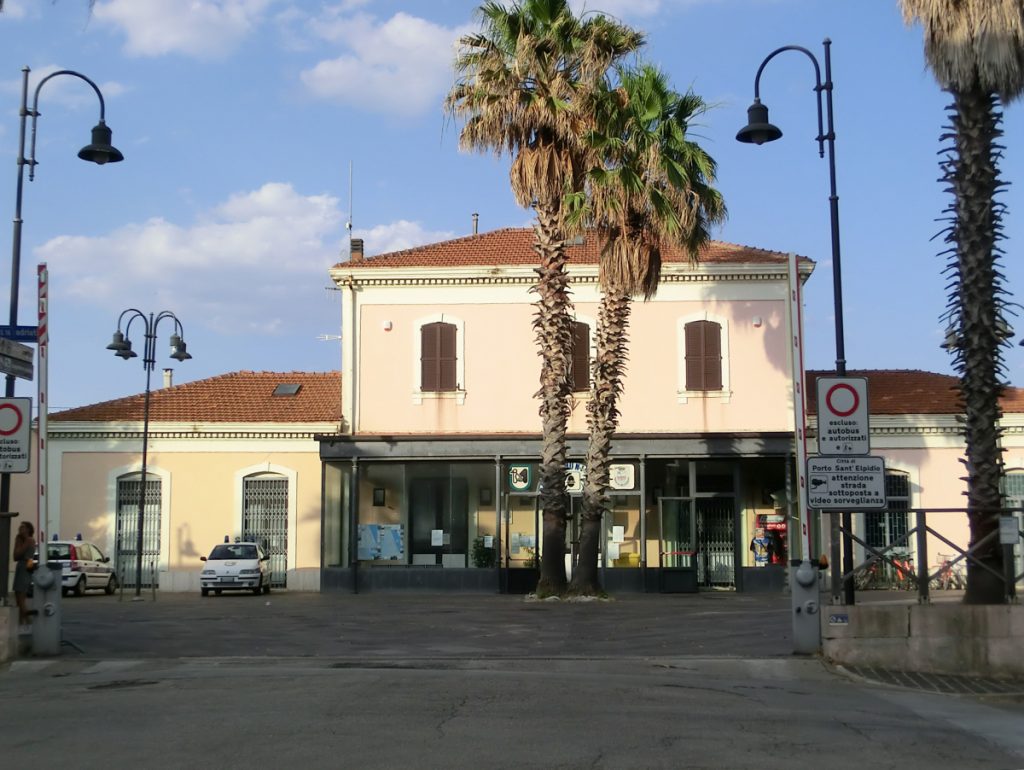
<point x="99" y="151"/>
<point x="758" y="131"/>
<point x="122" y="347"/>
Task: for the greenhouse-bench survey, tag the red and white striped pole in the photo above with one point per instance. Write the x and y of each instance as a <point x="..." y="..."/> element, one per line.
<point x="42" y="516"/>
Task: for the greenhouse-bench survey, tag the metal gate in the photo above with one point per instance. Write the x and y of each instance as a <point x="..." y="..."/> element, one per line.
<point x="127" y="526"/>
<point x="265" y="520"/>
<point x="716" y="542"/>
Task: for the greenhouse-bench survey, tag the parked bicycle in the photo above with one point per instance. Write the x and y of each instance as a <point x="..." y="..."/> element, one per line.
<point x="950" y="576"/>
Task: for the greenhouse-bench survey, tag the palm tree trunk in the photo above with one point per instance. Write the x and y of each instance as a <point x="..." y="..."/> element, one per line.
<point x="553" y="334"/>
<point x="972" y="173"/>
<point x="603" y="419"/>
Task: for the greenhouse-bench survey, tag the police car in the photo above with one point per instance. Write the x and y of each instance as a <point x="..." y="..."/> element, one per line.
<point x="238" y="566"/>
<point x="84" y="567"/>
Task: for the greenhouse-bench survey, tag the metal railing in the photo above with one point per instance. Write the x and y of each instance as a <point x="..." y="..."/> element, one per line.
<point x="893" y="566"/>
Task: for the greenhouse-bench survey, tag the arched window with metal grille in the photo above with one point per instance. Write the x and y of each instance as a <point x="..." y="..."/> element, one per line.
<point x="265" y="520"/>
<point x="129" y="488"/>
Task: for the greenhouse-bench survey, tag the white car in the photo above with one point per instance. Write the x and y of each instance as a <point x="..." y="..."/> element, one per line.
<point x="83" y="566"/>
<point x="235" y="566"/>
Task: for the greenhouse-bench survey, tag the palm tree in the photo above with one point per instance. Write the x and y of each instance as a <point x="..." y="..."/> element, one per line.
<point x="975" y="48"/>
<point x="522" y="87"/>
<point x="649" y="186"/>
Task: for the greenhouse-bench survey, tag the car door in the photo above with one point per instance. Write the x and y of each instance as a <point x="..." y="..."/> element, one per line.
<point x="104" y="569"/>
<point x="86" y="562"/>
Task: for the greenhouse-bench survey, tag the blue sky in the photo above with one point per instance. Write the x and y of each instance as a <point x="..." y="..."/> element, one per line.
<point x="239" y="119"/>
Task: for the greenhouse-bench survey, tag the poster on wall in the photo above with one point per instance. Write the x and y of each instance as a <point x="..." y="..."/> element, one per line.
<point x="381" y="542"/>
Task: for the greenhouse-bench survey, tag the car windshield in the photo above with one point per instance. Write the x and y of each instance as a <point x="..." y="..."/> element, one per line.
<point x="233" y="551"/>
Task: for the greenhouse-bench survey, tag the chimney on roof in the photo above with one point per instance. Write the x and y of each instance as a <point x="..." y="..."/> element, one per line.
<point x="168" y="378"/>
<point x="476" y="223"/>
<point x="357" y="250"/>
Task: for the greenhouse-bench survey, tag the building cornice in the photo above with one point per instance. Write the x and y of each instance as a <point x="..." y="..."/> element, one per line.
<point x="512" y="275"/>
<point x="64" y="431"/>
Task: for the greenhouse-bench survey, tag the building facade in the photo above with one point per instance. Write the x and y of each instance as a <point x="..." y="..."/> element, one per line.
<point x="433" y="480"/>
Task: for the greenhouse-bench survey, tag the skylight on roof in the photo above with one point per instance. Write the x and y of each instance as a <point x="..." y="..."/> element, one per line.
<point x="287" y="389"/>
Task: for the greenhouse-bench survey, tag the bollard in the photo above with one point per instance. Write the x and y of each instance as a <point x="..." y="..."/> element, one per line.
<point x="46" y="625"/>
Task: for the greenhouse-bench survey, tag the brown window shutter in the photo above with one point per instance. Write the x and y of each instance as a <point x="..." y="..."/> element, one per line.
<point x="446" y="357"/>
<point x="712" y="356"/>
<point x="579" y="373"/>
<point x="430" y="366"/>
<point x="693" y="340"/>
<point x="703" y="355"/>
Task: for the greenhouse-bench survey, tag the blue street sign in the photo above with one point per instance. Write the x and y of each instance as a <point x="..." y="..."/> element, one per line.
<point x="19" y="333"/>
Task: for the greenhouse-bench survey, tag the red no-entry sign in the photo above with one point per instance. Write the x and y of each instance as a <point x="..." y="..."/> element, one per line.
<point x="843" y="424"/>
<point x="15" y="418"/>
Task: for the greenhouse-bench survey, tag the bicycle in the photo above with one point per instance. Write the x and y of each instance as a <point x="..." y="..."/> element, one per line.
<point x="949" y="575"/>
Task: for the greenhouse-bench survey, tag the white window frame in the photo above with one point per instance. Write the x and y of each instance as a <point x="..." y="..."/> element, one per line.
<point x="682" y="394"/>
<point x="459" y="394"/>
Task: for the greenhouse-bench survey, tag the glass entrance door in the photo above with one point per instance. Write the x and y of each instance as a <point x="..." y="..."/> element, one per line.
<point x="520" y="556"/>
<point x="677" y="549"/>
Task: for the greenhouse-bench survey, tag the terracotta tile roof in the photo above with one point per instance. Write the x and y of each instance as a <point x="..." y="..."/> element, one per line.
<point x="514" y="246"/>
<point x="910" y="391"/>
<point x="234" y="397"/>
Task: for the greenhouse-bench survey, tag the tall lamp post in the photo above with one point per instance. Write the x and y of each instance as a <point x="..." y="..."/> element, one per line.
<point x="758" y="131"/>
<point x="122" y="347"/>
<point x="99" y="151"/>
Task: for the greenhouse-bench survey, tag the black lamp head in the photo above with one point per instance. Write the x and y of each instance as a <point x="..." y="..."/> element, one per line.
<point x="118" y="343"/>
<point x="100" y="150"/>
<point x="179" y="350"/>
<point x="758" y="130"/>
<point x="127" y="352"/>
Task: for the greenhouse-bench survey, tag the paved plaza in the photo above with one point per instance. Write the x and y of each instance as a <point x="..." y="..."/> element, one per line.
<point x="442" y="680"/>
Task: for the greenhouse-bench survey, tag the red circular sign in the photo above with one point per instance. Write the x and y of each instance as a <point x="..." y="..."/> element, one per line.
<point x="17" y="420"/>
<point x="838" y="412"/>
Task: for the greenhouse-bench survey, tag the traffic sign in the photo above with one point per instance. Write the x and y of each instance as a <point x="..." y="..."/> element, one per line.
<point x="15" y="418"/>
<point x="16" y="358"/>
<point x="13" y="349"/>
<point x="19" y="333"/>
<point x="843" y="424"/>
<point x="845" y="483"/>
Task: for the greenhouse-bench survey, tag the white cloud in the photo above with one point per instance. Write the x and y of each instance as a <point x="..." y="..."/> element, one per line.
<point x="248" y="264"/>
<point x="399" y="235"/>
<point x="200" y="28"/>
<point x="252" y="264"/>
<point x="400" y="66"/>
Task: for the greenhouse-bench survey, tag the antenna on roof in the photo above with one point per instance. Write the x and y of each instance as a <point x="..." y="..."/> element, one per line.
<point x="348" y="224"/>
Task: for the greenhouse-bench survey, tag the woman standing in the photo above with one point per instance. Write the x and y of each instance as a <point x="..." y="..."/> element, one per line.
<point x="24" y="548"/>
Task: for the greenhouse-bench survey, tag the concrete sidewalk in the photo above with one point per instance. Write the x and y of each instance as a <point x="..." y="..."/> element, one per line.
<point x="434" y="625"/>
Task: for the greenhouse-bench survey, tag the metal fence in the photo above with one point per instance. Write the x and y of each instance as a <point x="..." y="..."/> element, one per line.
<point x="905" y="563"/>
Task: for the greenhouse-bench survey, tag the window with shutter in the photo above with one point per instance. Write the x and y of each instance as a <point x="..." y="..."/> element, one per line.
<point x="438" y="357"/>
<point x="703" y="341"/>
<point x="579" y="374"/>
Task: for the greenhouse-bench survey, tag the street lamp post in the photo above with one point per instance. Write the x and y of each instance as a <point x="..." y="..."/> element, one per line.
<point x="122" y="347"/>
<point x="99" y="151"/>
<point x="758" y="131"/>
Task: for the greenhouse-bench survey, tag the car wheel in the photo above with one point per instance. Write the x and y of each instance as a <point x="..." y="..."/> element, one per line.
<point x="65" y="591"/>
<point x="80" y="586"/>
<point x="111" y="586"/>
<point x="204" y="591"/>
<point x="258" y="589"/>
<point x="218" y="591"/>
